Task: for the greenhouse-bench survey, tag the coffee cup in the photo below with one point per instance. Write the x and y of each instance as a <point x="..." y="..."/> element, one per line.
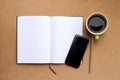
<point x="97" y="24"/>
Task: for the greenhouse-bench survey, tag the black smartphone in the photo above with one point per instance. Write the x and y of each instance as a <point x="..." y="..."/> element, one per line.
<point x="76" y="51"/>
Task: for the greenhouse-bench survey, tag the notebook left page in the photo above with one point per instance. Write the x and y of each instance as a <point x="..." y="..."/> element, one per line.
<point x="33" y="39"/>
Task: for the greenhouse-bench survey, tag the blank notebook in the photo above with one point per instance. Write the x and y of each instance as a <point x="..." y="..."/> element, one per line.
<point x="46" y="39"/>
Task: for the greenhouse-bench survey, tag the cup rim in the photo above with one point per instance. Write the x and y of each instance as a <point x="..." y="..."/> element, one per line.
<point x="102" y="15"/>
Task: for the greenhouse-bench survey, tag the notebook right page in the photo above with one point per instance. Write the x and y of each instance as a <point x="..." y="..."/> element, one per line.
<point x="63" y="30"/>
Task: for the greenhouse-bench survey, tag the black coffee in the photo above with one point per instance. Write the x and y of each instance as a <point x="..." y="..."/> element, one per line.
<point x="96" y="23"/>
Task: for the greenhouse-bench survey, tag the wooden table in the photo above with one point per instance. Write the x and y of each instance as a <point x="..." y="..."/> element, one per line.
<point x="106" y="52"/>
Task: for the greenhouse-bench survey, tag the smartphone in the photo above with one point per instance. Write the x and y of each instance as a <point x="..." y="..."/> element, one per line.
<point x="76" y="51"/>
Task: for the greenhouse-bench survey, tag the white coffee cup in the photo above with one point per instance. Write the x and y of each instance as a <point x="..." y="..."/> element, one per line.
<point x="97" y="24"/>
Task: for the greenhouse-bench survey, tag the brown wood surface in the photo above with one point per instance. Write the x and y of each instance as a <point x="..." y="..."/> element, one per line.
<point x="106" y="52"/>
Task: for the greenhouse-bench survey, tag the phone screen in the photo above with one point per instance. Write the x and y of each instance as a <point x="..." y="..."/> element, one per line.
<point x="77" y="50"/>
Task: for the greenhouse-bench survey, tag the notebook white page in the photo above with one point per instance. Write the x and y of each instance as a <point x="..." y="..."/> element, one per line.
<point x="63" y="31"/>
<point x="33" y="39"/>
<point x="45" y="39"/>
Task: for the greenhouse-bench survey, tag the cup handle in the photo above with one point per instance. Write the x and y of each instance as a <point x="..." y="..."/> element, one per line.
<point x="97" y="37"/>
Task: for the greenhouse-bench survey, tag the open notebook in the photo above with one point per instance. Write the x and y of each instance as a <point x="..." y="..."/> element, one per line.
<point x="46" y="39"/>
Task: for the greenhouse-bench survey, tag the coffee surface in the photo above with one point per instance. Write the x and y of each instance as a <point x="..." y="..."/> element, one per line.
<point x="96" y="24"/>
